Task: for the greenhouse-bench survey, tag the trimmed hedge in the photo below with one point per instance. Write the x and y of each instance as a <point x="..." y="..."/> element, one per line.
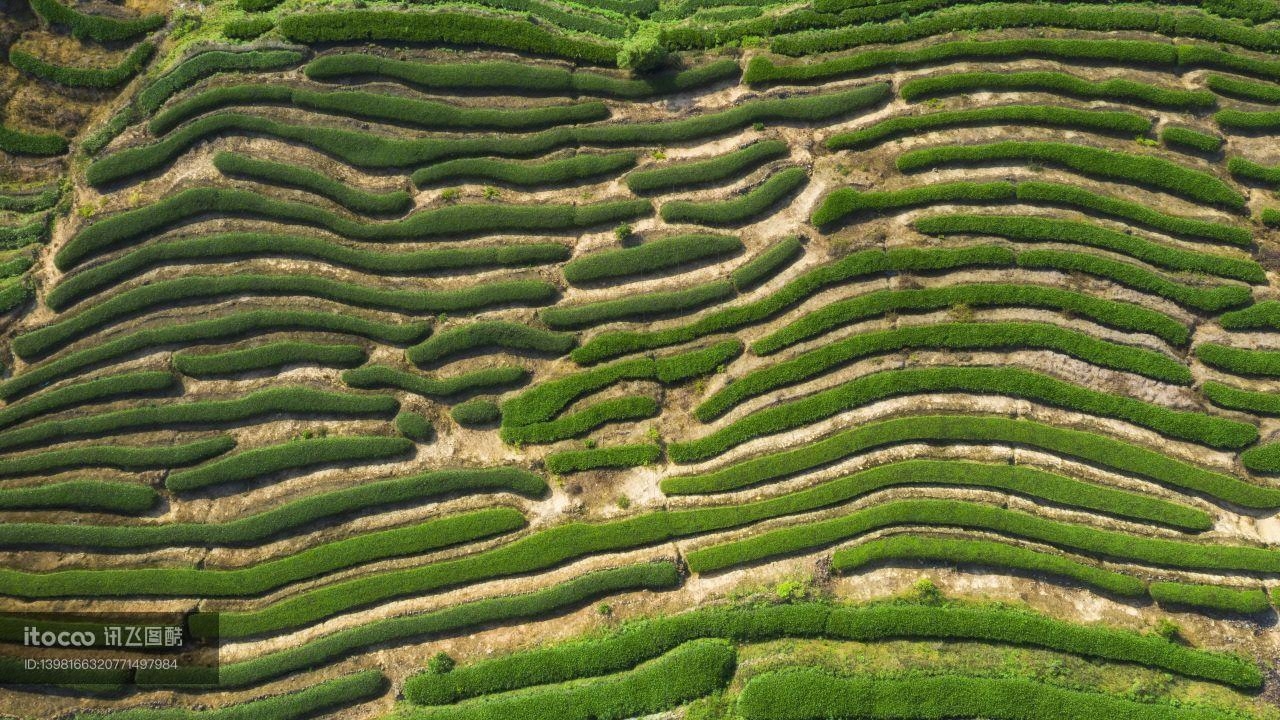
<point x="487" y="334"/>
<point x="1243" y="89"/>
<point x="355" y="199"/>
<point x="1233" y="398"/>
<point x="19" y="236"/>
<point x="1142" y="170"/>
<point x="1119" y="89"/>
<point x="1246" y="601"/>
<point x="373" y="377"/>
<point x="1261" y="316"/>
<point x="247" y="28"/>
<point x="83" y="496"/>
<point x="987" y="553"/>
<point x="102" y="28"/>
<point x="83" y="393"/>
<point x="474" y="413"/>
<point x="648" y="258"/>
<point x="564" y="170"/>
<point x="251" y="465"/>
<point x="1263" y="458"/>
<point x="638" y="307"/>
<point x="520" y="77"/>
<point x="742" y="209"/>
<point x="1243" y="169"/>
<point x="1052" y="116"/>
<point x="618" y="456"/>
<point x="30" y="201"/>
<point x="1187" y="139"/>
<point x="213" y="62"/>
<point x="1248" y="122"/>
<point x="1270" y="217"/>
<point x="705" y="172"/>
<point x="630" y="407"/>
<point x="841" y="203"/>
<point x="120" y="457"/>
<point x="225" y="246"/>
<point x="766" y="264"/>
<point x="18" y="142"/>
<point x="269" y="355"/>
<point x="100" y="78"/>
<point x="1240" y="361"/>
<point x="415" y="426"/>
<point x="1215" y="432"/>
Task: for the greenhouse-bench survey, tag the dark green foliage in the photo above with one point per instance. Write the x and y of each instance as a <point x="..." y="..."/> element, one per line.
<point x="768" y="263"/>
<point x="1061" y="83"/>
<point x="1193" y="140"/>
<point x="257" y="5"/>
<point x="415" y="427"/>
<point x="474" y="413"/>
<point x="101" y="78"/>
<point x="1233" y="398"/>
<point x="354" y="199"/>
<point x="1248" y="122"/>
<point x="630" y="407"/>
<point x="1263" y="458"/>
<point x="845" y="202"/>
<point x="269" y="355"/>
<point x="209" y="63"/>
<point x="1270" y="217"/>
<point x="251" y="465"/>
<point x="17" y="142"/>
<point x="1261" y="316"/>
<point x="121" y="457"/>
<point x="741" y="209"/>
<point x="618" y="456"/>
<point x="649" y="257"/>
<point x="1245" y="601"/>
<point x="97" y="390"/>
<point x="247" y="28"/>
<point x="29" y="233"/>
<point x="1243" y="169"/>
<point x="489" y="334"/>
<point x="1052" y="116"/>
<point x="383" y="376"/>
<point x="635" y="307"/>
<point x="705" y="172"/>
<point x="102" y="28"/>
<point x="1241" y="361"/>
<point x="30" y="201"/>
<point x="551" y="172"/>
<point x="1243" y="89"/>
<point x="82" y="496"/>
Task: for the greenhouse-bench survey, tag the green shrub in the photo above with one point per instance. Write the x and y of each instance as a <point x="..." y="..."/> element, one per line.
<point x="17" y="142"/>
<point x="95" y="141"/>
<point x="295" y="455"/>
<point x="382" y="376"/>
<point x="415" y="427"/>
<point x="1233" y="398"/>
<point x="1246" y="121"/>
<point x="1243" y="169"/>
<point x="102" y="28"/>
<point x="355" y="199"/>
<point x="844" y="202"/>
<point x="630" y="407"/>
<point x="1261" y="316"/>
<point x="86" y="392"/>
<point x="269" y="355"/>
<point x="742" y="209"/>
<point x="474" y="413"/>
<point x="100" y="78"/>
<point x="648" y="258"/>
<point x="213" y="62"/>
<point x="247" y="28"/>
<point x="487" y="334"/>
<point x="1263" y="458"/>
<point x="564" y="170"/>
<point x="768" y="263"/>
<point x="1216" y="432"/>
<point x="1246" y="601"/>
<point x="705" y="172"/>
<point x="635" y="307"/>
<point x="81" y="495"/>
<point x="31" y="233"/>
<point x="618" y="456"/>
<point x="1270" y="217"/>
<point x="257" y="5"/>
<point x="1193" y="140"/>
<point x="1118" y="89"/>
<point x="120" y="457"/>
<point x="1052" y="116"/>
<point x="1240" y="361"/>
<point x="29" y="201"/>
<point x="1002" y="556"/>
<point x="1144" y="170"/>
<point x="1243" y="89"/>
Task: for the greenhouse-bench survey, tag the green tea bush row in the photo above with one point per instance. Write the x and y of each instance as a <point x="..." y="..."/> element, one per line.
<point x="204" y="331"/>
<point x="844" y="202"/>
<point x="768" y="263"/>
<point x="30" y="201"/>
<point x="631" y="407"/>
<point x="1249" y="122"/>
<point x="249" y="465"/>
<point x="1111" y="313"/>
<point x="1243" y="89"/>
<point x="1193" y="140"/>
<point x="475" y="413"/>
<point x="247" y="28"/>
<point x="225" y="246"/>
<point x="83" y="496"/>
<point x="1270" y="217"/>
<point x="637" y="307"/>
<point x="520" y="77"/>
<point x="1263" y="458"/>
<point x="120" y="457"/>
<point x="649" y="257"/>
<point x="100" y="78"/>
<point x="705" y="172"/>
<point x="213" y="62"/>
<point x="943" y="336"/>
<point x="102" y="28"/>
<point x="618" y="456"/>
<point x="1040" y="229"/>
<point x="271" y="401"/>
<point x="1142" y="170"/>
<point x="577" y="17"/>
<point x="355" y="199"/>
<point x="1060" y="83"/>
<point x="196" y="287"/>
<point x="292" y="516"/>
<point x="987" y="553"/>
<point x="487" y="334"/>
<point x="95" y="141"/>
<point x="859" y="264"/>
<point x="1052" y="116"/>
<point x="364" y="149"/>
<point x="17" y="142"/>
<point x="742" y="209"/>
<point x="133" y="226"/>
<point x="18" y="236"/>
<point x="382" y="376"/>
<point x="1240" y="361"/>
<point x="270" y="575"/>
<point x="1246" y="601"/>
<point x="1216" y="432"/>
<point x="269" y="355"/>
<point x="1243" y="169"/>
<point x="1233" y="398"/>
<point x="84" y="393"/>
<point x="538" y="174"/>
<point x="414" y="426"/>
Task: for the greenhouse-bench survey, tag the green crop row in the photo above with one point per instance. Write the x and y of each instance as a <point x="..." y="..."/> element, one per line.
<point x="1270" y="217"/>
<point x="84" y="393"/>
<point x="415" y="426"/>
<point x="268" y="355"/>
<point x="250" y="465"/>
<point x="1248" y="122"/>
<point x="704" y="172"/>
<point x="1234" y="398"/>
<point x="636" y="307"/>
<point x="18" y="236"/>
<point x="1052" y="116"/>
<point x="213" y="62"/>
<point x="521" y="77"/>
<point x="225" y="246"/>
<point x="618" y="456"/>
<point x="1007" y="336"/>
<point x="1243" y="89"/>
<point x="1239" y="361"/>
<point x="845" y="202"/>
<point x="649" y="257"/>
<point x="1246" y="601"/>
<point x="87" y="496"/>
<point x="102" y="28"/>
<point x="204" y="331"/>
<point x="1127" y="547"/>
<point x="1243" y="169"/>
<point x="564" y="170"/>
<point x="133" y="226"/>
<point x="17" y="142"/>
<point x="1039" y="229"/>
<point x="475" y="413"/>
<point x="1216" y="432"/>
<point x="1143" y="170"/>
<point x="383" y="376"/>
<point x="364" y="149"/>
<point x="1188" y="139"/>
<point x="355" y="199"/>
<point x="268" y="575"/>
<point x="30" y="201"/>
<point x="292" y="399"/>
<point x="1111" y="313"/>
<point x="1118" y="89"/>
<point x="629" y="407"/>
<point x="247" y="28"/>
<point x="292" y="516"/>
<point x="489" y="334"/>
<point x="121" y="457"/>
<point x="742" y="209"/>
<point x="859" y="264"/>
<point x="100" y="78"/>
<point x="1263" y="458"/>
<point x="642" y="640"/>
<point x="768" y="263"/>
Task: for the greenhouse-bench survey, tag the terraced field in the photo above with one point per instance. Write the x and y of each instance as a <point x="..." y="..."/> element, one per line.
<point x="744" y="359"/>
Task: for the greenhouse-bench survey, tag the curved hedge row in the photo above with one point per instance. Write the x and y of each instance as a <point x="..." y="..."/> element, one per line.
<point x="488" y="334"/>
<point x="120" y="457"/>
<point x="1246" y="601"/>
<point x="415" y="426"/>
<point x="705" y="172"/>
<point x="564" y="170"/>
<point x="100" y="78"/>
<point x="30" y="201"/>
<point x="648" y="258"/>
<point x="249" y="465"/>
<point x="1243" y="89"/>
<point x="382" y="376"/>
<point x="1240" y="361"/>
<point x="1191" y="140"/>
<point x="1215" y="432"/>
<point x="1142" y="170"/>
<point x="355" y="199"/>
<point x="1233" y="398"/>
<point x="1060" y="83"/>
<point x="741" y="209"/>
<point x="1243" y="169"/>
<point x="226" y="246"/>
<point x="1248" y="122"/>
<point x="269" y="355"/>
<point x="767" y="263"/>
<point x="1260" y="316"/>
<point x="213" y="62"/>
<point x="637" y="307"/>
<point x="617" y="456"/>
<point x="18" y="142"/>
<point x="84" y="393"/>
<point x="1262" y="458"/>
<point x="102" y="28"/>
<point x="841" y="203"/>
<point x="630" y="407"/>
<point x="475" y="413"/>
<point x="1048" y="115"/>
<point x="87" y="496"/>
